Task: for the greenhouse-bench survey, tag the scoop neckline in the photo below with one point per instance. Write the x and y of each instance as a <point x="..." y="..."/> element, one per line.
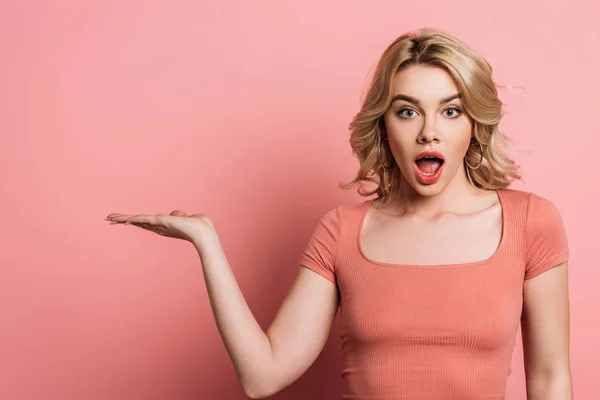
<point x="367" y="206"/>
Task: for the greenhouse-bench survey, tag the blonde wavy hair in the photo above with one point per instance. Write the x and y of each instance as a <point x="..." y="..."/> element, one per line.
<point x="473" y="76"/>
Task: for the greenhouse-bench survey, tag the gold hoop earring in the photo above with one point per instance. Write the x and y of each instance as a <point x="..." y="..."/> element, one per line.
<point x="480" y="159"/>
<point x="379" y="157"/>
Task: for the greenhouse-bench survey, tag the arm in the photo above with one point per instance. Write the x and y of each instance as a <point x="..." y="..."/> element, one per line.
<point x="545" y="334"/>
<point x="268" y="362"/>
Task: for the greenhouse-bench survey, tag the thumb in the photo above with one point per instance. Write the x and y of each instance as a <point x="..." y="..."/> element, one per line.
<point x="178" y="213"/>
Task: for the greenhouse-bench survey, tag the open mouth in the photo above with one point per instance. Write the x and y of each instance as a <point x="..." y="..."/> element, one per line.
<point x="429" y="166"/>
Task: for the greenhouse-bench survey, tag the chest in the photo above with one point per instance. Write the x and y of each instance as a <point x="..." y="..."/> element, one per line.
<point x="453" y="240"/>
<point x="476" y="307"/>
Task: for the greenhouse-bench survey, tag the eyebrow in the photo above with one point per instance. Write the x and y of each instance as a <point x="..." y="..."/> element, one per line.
<point x="417" y="102"/>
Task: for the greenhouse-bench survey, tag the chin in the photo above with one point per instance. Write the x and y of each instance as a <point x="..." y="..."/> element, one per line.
<point x="429" y="190"/>
<point x="425" y="190"/>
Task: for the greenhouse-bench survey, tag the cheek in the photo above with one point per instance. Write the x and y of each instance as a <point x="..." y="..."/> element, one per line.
<point x="401" y="140"/>
<point x="460" y="144"/>
<point x="463" y="146"/>
<point x="402" y="151"/>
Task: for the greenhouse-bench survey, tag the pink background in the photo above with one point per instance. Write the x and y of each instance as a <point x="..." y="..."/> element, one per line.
<point x="238" y="110"/>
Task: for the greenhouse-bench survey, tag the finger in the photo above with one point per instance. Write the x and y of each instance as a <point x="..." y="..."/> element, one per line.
<point x="178" y="213"/>
<point x="113" y="216"/>
<point x="140" y="218"/>
<point x="118" y="217"/>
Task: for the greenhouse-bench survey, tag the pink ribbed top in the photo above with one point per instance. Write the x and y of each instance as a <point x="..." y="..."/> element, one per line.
<point x="434" y="331"/>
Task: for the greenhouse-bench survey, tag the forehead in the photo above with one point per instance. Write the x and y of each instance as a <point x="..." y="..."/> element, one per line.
<point x="426" y="83"/>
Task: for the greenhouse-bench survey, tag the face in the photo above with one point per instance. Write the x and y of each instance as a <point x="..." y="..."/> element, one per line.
<point x="428" y="129"/>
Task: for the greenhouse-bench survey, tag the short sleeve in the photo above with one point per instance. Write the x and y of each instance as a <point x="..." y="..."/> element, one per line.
<point x="546" y="238"/>
<point x="320" y="252"/>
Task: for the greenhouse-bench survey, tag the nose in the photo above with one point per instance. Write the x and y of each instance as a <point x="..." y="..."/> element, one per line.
<point x="428" y="134"/>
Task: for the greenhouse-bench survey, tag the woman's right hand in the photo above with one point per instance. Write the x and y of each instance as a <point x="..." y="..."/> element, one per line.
<point x="177" y="225"/>
<point x="265" y="362"/>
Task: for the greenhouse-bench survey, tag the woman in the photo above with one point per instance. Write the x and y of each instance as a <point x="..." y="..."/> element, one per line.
<point x="434" y="274"/>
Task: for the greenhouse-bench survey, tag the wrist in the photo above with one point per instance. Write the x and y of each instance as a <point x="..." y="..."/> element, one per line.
<point x="204" y="239"/>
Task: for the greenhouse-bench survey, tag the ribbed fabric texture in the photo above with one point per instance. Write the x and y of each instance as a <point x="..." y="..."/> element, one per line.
<point x="434" y="331"/>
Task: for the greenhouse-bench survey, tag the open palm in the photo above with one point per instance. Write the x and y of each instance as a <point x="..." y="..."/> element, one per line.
<point x="177" y="225"/>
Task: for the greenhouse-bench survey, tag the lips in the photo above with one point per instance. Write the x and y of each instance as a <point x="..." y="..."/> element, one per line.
<point x="430" y="154"/>
<point x="429" y="166"/>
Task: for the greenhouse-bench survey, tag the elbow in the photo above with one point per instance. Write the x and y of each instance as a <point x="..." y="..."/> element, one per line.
<point x="258" y="390"/>
<point x="550" y="386"/>
<point x="257" y="393"/>
<point x="263" y="381"/>
<point x="252" y="395"/>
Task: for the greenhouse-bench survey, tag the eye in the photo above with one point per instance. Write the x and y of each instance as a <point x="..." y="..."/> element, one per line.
<point x="401" y="112"/>
<point x="455" y="109"/>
